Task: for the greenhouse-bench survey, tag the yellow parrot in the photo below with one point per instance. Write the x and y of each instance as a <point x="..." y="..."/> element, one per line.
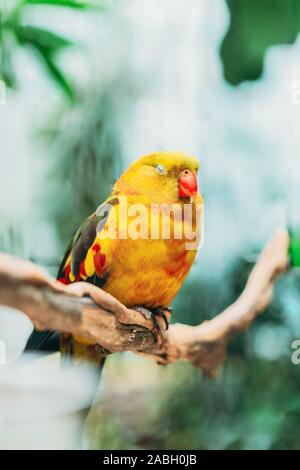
<point x="140" y="244"/>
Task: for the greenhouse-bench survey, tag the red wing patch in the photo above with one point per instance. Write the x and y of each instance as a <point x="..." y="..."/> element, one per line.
<point x="66" y="279"/>
<point x="82" y="272"/>
<point x="99" y="260"/>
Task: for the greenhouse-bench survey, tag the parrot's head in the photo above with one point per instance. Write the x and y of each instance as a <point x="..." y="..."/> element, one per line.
<point x="162" y="177"/>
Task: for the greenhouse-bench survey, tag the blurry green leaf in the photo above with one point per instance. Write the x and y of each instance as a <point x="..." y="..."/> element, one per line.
<point x="294" y="249"/>
<point x="255" y="26"/>
<point x="55" y="73"/>
<point x="45" y="42"/>
<point x="7" y="73"/>
<point x="64" y="3"/>
<point x="41" y="37"/>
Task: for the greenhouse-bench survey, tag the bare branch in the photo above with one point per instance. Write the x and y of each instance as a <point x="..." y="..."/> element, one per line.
<point x="84" y="310"/>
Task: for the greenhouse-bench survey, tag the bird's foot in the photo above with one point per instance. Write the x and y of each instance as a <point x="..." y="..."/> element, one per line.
<point x="144" y="311"/>
<point x="148" y="315"/>
<point x="165" y="314"/>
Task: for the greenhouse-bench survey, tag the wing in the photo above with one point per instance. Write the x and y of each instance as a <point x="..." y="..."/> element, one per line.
<point x="83" y="258"/>
<point x="73" y="268"/>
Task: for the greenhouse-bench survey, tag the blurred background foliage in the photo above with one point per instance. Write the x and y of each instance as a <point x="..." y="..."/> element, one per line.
<point x="46" y="45"/>
<point x="138" y="74"/>
<point x="254" y="27"/>
<point x="85" y="148"/>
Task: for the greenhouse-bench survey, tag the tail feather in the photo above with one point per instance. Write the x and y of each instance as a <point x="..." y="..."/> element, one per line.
<point x="47" y="341"/>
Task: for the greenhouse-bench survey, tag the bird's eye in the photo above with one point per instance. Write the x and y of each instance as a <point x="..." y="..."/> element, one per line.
<point x="160" y="169"/>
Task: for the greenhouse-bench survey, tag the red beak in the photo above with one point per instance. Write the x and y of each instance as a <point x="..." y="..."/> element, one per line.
<point x="187" y="185"/>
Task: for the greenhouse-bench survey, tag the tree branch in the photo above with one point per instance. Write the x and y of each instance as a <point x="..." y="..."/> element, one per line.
<point x="84" y="310"/>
